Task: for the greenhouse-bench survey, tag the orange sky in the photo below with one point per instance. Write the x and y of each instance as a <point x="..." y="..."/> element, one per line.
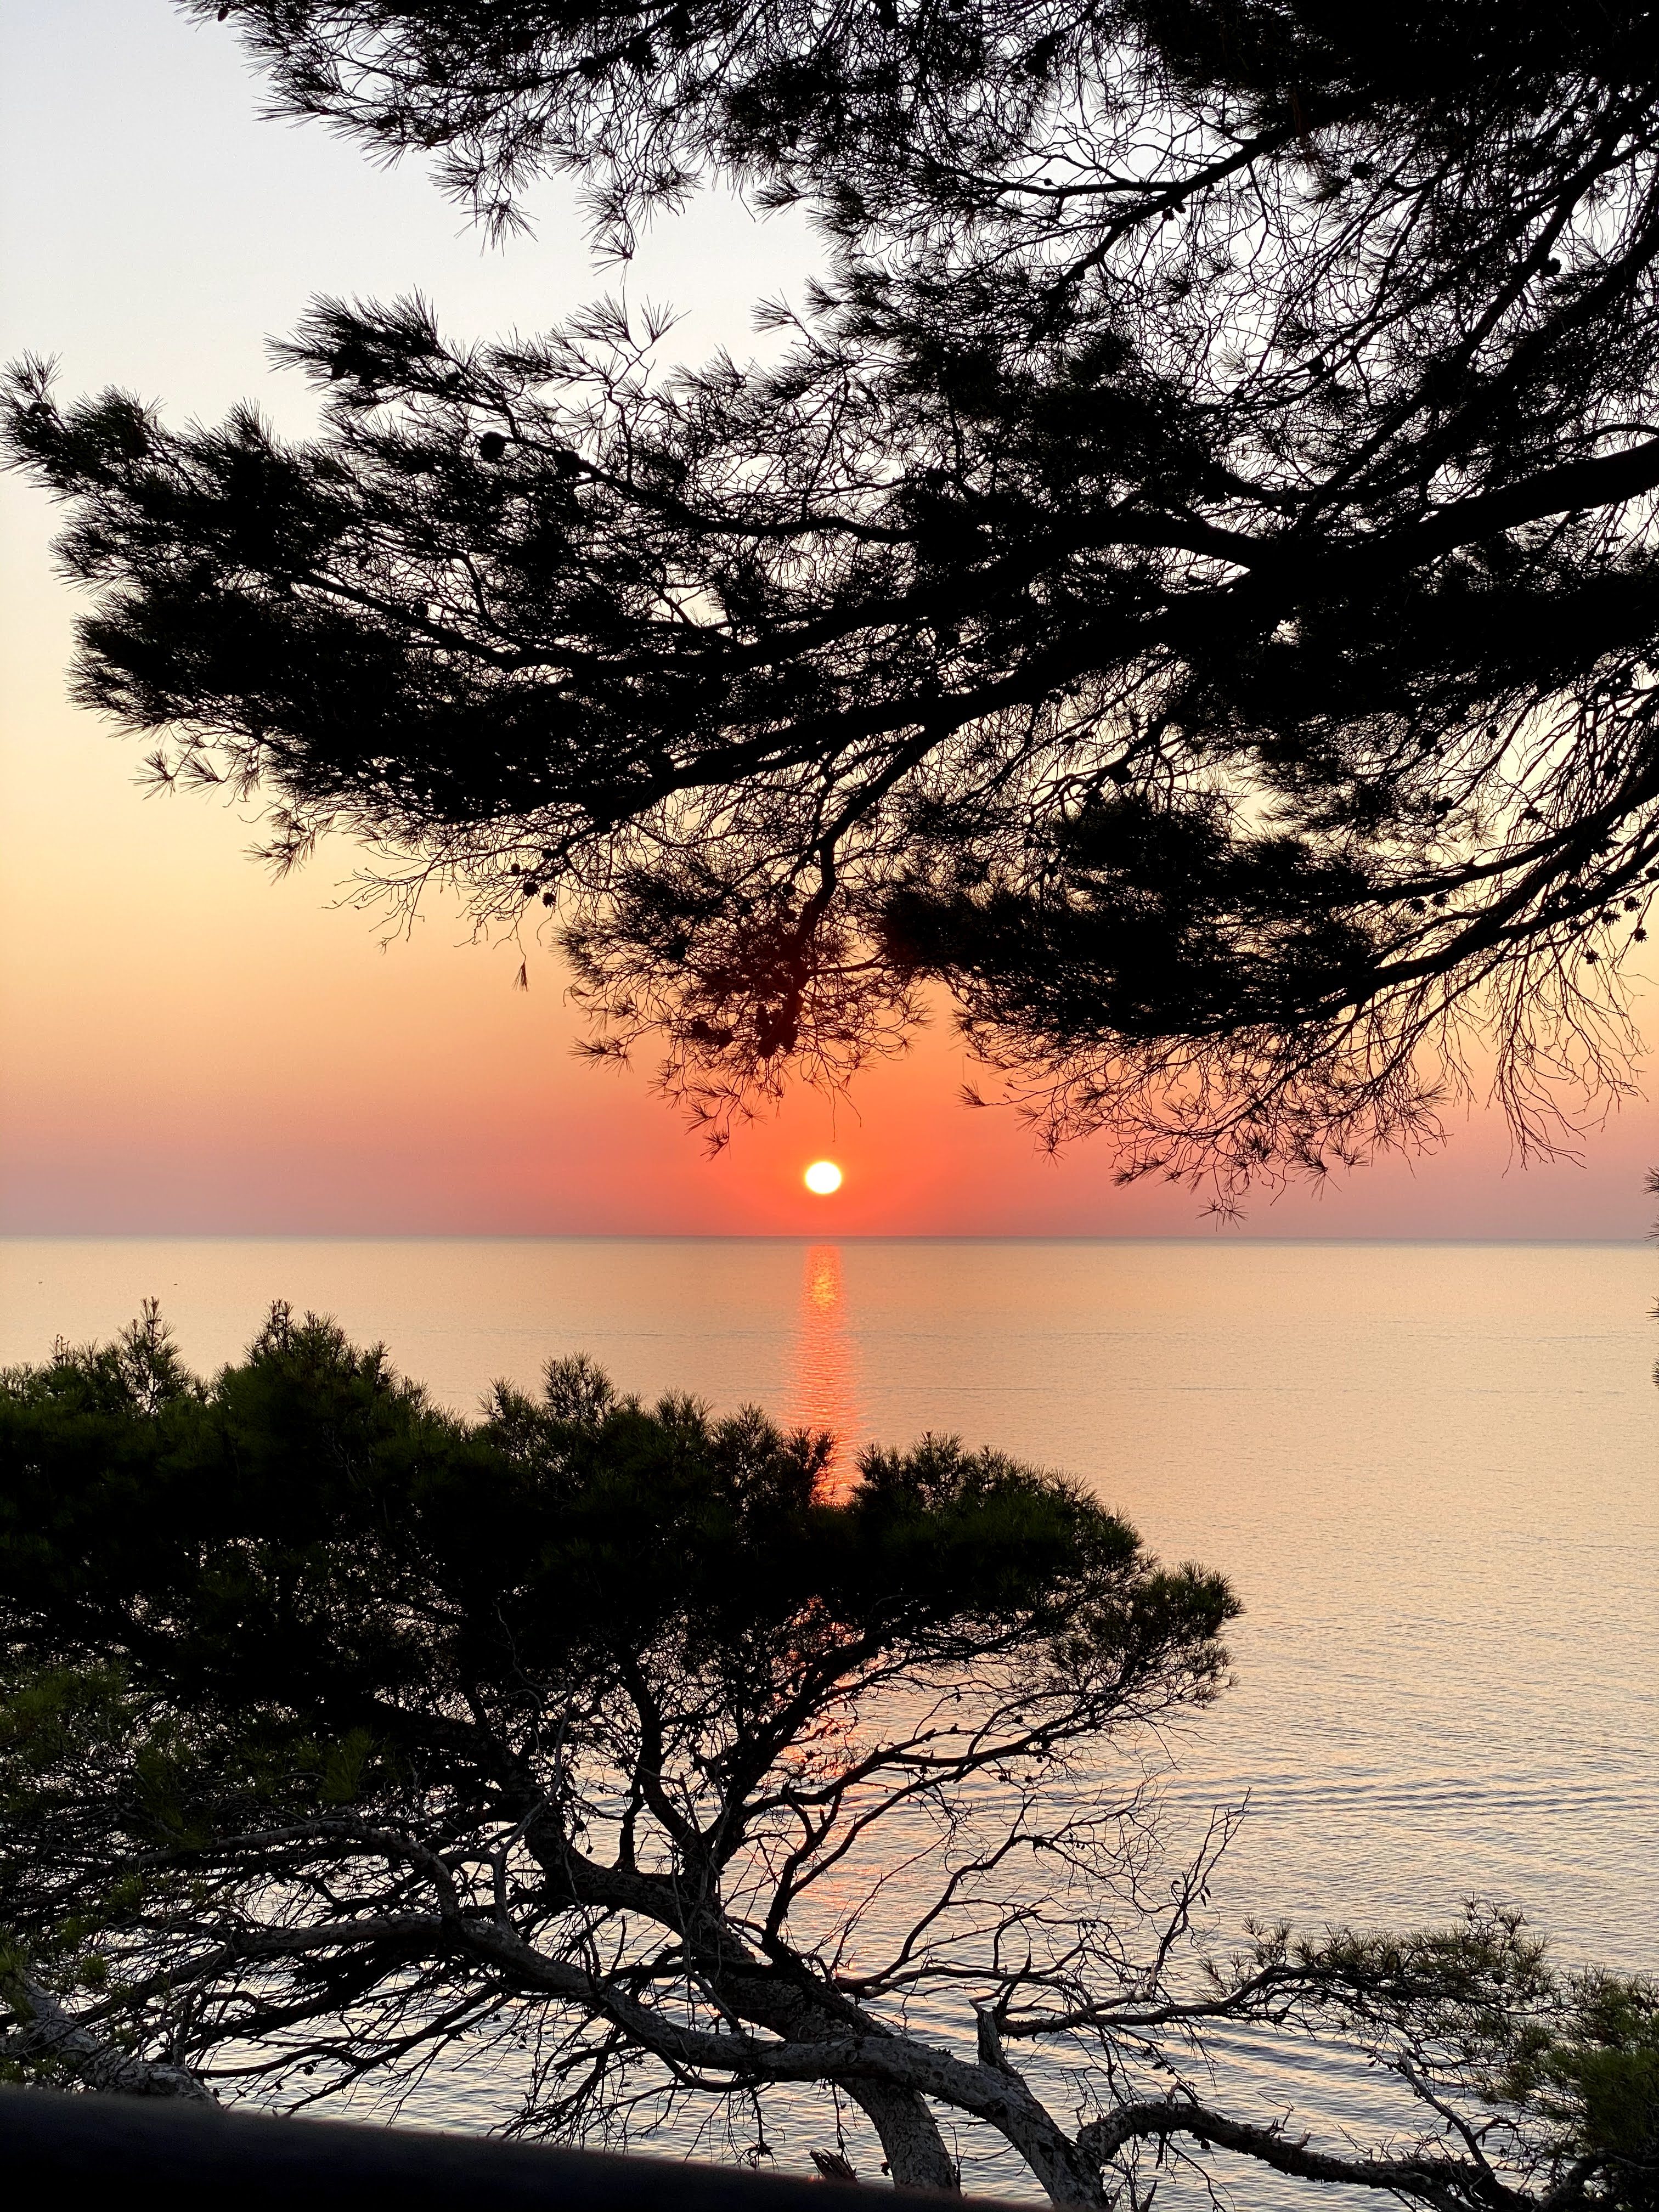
<point x="188" y="1047"/>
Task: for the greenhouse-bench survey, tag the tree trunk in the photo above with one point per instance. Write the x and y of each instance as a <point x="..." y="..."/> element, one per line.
<point x="911" y="2142"/>
<point x="51" y="2031"/>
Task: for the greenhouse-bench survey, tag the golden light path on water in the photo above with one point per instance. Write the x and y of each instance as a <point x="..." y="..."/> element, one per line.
<point x="823" y="1382"/>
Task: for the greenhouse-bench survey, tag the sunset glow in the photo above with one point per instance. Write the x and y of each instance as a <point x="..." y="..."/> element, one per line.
<point x="192" y="1048"/>
<point x="823" y="1178"/>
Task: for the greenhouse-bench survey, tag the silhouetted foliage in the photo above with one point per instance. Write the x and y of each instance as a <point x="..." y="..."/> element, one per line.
<point x="1184" y="583"/>
<point x="340" y="1735"/>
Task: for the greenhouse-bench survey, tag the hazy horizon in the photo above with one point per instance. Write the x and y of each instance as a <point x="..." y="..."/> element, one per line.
<point x="1226" y="1233"/>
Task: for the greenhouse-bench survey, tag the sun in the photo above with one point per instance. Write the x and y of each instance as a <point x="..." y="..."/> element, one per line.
<point x="822" y="1177"/>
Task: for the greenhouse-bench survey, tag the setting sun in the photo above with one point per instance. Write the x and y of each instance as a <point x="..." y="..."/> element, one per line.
<point x="822" y="1177"/>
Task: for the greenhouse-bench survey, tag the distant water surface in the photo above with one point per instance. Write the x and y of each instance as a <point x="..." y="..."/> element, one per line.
<point x="1430" y="1471"/>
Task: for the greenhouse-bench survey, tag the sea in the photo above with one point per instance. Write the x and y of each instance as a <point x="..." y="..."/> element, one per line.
<point x="1430" y="1470"/>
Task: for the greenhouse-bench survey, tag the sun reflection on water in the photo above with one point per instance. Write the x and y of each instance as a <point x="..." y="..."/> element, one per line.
<point x="823" y="1394"/>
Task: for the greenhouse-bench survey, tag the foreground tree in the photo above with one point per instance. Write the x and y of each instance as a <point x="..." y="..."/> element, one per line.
<point x="1185" y="586"/>
<point x="342" y="1737"/>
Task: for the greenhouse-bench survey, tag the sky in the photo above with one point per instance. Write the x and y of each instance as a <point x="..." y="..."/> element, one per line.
<point x="186" y="1045"/>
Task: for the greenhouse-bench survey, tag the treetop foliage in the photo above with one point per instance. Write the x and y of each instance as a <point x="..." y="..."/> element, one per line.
<point x="309" y="1517"/>
<point x="1182" y="584"/>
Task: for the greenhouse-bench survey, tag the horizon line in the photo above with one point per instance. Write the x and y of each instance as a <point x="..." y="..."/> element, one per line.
<point x="1219" y="1236"/>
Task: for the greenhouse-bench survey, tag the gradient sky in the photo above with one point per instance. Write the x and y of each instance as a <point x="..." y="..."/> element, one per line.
<point x="187" y="1046"/>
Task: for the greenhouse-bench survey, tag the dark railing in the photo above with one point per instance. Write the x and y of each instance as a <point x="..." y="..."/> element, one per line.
<point x="111" y="2152"/>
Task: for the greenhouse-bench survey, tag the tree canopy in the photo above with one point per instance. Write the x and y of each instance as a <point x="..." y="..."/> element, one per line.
<point x="1182" y="585"/>
<point x="340" y="1737"/>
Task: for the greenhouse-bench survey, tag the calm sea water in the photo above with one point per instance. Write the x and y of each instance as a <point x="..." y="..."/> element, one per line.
<point x="1431" y="1472"/>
